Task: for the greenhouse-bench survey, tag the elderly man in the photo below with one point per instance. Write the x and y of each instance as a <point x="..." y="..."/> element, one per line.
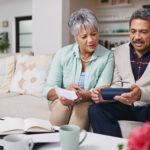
<point x="132" y="69"/>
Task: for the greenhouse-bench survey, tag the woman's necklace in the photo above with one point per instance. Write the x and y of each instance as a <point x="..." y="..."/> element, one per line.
<point x="84" y="60"/>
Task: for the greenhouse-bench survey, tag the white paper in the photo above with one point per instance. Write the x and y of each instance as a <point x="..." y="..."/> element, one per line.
<point x="37" y="138"/>
<point x="44" y="137"/>
<point x="9" y="124"/>
<point x="71" y="95"/>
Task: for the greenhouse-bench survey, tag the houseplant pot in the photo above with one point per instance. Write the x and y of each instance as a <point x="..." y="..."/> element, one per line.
<point x="4" y="45"/>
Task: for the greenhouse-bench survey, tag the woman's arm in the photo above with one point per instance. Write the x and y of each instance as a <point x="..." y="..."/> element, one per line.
<point x="54" y="78"/>
<point x="85" y="96"/>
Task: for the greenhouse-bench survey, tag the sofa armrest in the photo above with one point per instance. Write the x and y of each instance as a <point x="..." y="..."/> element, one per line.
<point x="128" y="126"/>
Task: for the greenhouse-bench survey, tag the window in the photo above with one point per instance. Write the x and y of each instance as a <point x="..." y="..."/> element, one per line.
<point x="23" y="33"/>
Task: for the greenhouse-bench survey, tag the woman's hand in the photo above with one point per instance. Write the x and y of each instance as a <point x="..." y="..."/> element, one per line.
<point x="66" y="102"/>
<point x="96" y="94"/>
<point x="131" y="97"/>
<point x="74" y="87"/>
<point x="77" y="89"/>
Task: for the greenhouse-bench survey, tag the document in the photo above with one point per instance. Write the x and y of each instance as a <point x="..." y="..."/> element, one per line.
<point x="12" y="125"/>
<point x="70" y="95"/>
<point x="44" y="137"/>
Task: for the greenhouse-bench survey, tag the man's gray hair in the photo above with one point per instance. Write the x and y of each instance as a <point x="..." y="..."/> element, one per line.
<point x="82" y="18"/>
<point x="143" y="13"/>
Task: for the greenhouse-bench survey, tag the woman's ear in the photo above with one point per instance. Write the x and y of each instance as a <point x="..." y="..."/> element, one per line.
<point x="76" y="39"/>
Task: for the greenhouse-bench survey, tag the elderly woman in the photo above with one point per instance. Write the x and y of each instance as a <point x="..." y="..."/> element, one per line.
<point x="81" y="66"/>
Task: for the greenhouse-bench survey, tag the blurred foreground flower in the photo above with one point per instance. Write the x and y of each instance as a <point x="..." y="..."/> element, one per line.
<point x="139" y="139"/>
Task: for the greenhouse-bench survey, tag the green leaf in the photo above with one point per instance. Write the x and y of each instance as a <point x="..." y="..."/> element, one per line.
<point x="120" y="146"/>
<point x="4" y="45"/>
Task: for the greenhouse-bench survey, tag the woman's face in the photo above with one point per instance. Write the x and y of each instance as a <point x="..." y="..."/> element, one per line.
<point x="87" y="40"/>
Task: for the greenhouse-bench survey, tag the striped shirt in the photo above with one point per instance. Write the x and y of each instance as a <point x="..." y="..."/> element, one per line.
<point x="81" y="80"/>
<point x="138" y="64"/>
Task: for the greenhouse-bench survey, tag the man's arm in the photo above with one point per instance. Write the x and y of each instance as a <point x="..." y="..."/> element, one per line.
<point x="117" y="81"/>
<point x="145" y="91"/>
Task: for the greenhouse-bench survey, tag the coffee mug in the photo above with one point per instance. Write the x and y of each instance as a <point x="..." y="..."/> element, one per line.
<point x="17" y="142"/>
<point x="69" y="137"/>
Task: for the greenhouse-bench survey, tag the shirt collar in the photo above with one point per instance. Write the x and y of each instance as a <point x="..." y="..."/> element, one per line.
<point x="98" y="52"/>
<point x="134" y="53"/>
<point x="76" y="50"/>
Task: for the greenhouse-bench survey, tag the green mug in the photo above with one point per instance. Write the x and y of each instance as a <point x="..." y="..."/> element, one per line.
<point x="69" y="137"/>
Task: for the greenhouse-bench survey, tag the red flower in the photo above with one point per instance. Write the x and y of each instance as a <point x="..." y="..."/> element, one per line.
<point x="139" y="139"/>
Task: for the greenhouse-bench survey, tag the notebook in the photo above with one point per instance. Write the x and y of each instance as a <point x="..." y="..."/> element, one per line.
<point x="10" y="125"/>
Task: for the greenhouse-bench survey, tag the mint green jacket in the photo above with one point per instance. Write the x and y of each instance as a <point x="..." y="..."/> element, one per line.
<point x="66" y="68"/>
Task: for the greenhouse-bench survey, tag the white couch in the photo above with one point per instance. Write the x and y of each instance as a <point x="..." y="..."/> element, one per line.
<point x="14" y="104"/>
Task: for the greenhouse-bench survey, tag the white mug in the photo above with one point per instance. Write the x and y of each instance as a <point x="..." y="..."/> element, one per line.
<point x="17" y="142"/>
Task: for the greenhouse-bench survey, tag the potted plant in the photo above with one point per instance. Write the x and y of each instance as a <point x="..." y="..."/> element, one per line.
<point x="4" y="45"/>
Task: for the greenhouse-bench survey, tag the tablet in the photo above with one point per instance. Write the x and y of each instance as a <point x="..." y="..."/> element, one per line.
<point x="110" y="93"/>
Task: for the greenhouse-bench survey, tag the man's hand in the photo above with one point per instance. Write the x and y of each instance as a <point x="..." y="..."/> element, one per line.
<point x="96" y="94"/>
<point x="131" y="97"/>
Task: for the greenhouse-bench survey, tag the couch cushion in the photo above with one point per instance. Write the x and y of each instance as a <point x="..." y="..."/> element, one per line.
<point x="7" y="65"/>
<point x="128" y="126"/>
<point x="31" y="74"/>
<point x="8" y="94"/>
<point x="24" y="106"/>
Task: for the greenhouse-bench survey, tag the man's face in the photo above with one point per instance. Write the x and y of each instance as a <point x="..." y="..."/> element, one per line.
<point x="140" y="35"/>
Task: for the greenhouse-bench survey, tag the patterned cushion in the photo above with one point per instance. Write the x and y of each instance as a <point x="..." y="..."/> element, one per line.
<point x="2" y="55"/>
<point x="6" y="73"/>
<point x="31" y="73"/>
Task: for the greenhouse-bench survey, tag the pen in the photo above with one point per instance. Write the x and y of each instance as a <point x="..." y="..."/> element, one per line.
<point x="2" y="119"/>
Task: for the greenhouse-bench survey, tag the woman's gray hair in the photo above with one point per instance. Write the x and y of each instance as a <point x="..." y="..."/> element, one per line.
<point x="82" y="18"/>
<point x="143" y="13"/>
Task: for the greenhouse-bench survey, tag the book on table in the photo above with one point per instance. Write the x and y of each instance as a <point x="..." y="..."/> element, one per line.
<point x="10" y="125"/>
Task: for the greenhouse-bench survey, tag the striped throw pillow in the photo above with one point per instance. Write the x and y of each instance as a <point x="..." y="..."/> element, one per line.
<point x="6" y="72"/>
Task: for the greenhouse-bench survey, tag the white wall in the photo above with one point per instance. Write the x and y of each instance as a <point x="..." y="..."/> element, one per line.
<point x="47" y="26"/>
<point x="65" y="18"/>
<point x="50" y="23"/>
<point x="9" y="9"/>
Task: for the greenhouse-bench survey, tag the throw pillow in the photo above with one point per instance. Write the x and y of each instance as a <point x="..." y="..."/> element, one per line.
<point x="2" y="55"/>
<point x="31" y="74"/>
<point x="6" y="73"/>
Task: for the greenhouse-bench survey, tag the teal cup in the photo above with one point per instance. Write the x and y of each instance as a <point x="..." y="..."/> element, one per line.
<point x="69" y="137"/>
